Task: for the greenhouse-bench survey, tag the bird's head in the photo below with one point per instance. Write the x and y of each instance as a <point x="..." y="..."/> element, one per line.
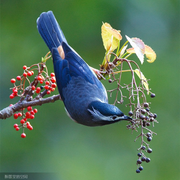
<point x="104" y="113"/>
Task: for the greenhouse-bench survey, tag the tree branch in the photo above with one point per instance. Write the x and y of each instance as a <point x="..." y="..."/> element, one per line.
<point x="9" y="111"/>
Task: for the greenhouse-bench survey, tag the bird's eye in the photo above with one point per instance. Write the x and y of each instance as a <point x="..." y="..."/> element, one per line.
<point x="114" y="117"/>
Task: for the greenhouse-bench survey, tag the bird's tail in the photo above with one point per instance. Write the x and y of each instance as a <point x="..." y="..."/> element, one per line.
<point x="50" y="30"/>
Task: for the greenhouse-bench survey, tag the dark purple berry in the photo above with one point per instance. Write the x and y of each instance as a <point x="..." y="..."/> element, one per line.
<point x="139" y="161"/>
<point x="153" y="95"/>
<point x="138" y="171"/>
<point x="148" y="124"/>
<point x="139" y="154"/>
<point x="146" y="104"/>
<point x="148" y="160"/>
<point x="147" y="109"/>
<point x="148" y="134"/>
<point x="149" y="139"/>
<point x="151" y="119"/>
<point x="155" y="115"/>
<point x="140" y="168"/>
<point x="130" y="113"/>
<point x="110" y="80"/>
<point x="41" y="87"/>
<point x="143" y="111"/>
<point x="151" y="115"/>
<point x="143" y="159"/>
<point x="149" y="150"/>
<point x="141" y="116"/>
<point x="143" y="147"/>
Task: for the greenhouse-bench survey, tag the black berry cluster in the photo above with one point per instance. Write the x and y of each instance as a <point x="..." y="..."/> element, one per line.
<point x="140" y="111"/>
<point x="143" y="118"/>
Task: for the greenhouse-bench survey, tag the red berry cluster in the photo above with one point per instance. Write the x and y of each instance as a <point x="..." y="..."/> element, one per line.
<point x="31" y="91"/>
<point x="50" y="82"/>
<point x="49" y="86"/>
<point x="24" y="123"/>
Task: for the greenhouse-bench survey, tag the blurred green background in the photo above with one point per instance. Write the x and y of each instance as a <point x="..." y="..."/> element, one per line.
<point x="71" y="151"/>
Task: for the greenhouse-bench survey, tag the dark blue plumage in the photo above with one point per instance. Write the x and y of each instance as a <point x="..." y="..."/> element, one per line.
<point x="84" y="96"/>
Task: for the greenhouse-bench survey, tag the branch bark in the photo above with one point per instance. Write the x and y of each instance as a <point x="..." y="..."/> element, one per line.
<point x="9" y="111"/>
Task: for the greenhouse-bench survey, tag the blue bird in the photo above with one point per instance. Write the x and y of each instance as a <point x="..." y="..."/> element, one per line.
<point x="84" y="96"/>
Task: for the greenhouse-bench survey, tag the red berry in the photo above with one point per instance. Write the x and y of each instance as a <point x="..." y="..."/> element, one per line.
<point x="15" y="125"/>
<point x="22" y="121"/>
<point x="23" y="135"/>
<point x="13" y="80"/>
<point x="29" y="73"/>
<point x="52" y="89"/>
<point x="18" y="78"/>
<point x="17" y="128"/>
<point x="11" y="96"/>
<point x="33" y="88"/>
<point x="32" y="112"/>
<point x="41" y="81"/>
<point x="15" y="116"/>
<point x="29" y="108"/>
<point x="15" y="94"/>
<point x="46" y="87"/>
<point x="35" y="110"/>
<point x="53" y="85"/>
<point x="24" y="67"/>
<point x="30" y="127"/>
<point x="15" y="91"/>
<point x="19" y="114"/>
<point x="32" y="72"/>
<point x="28" y="123"/>
<point x="11" y="105"/>
<point x="39" y="78"/>
<point x="48" y="92"/>
<point x="52" y="74"/>
<point x="31" y="116"/>
<point x="27" y="115"/>
<point x="25" y="74"/>
<point x="47" y="82"/>
<point x="53" y="80"/>
<point x="38" y="89"/>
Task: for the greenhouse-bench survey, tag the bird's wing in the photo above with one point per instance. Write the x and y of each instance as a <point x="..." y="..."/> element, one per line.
<point x="72" y="66"/>
<point x="78" y="67"/>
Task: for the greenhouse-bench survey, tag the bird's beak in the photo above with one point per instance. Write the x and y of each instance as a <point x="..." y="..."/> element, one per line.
<point x="126" y="118"/>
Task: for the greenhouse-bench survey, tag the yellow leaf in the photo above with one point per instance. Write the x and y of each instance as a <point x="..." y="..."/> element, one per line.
<point x="143" y="79"/>
<point x="130" y="50"/>
<point x="150" y="54"/>
<point x="138" y="46"/>
<point x="110" y="37"/>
